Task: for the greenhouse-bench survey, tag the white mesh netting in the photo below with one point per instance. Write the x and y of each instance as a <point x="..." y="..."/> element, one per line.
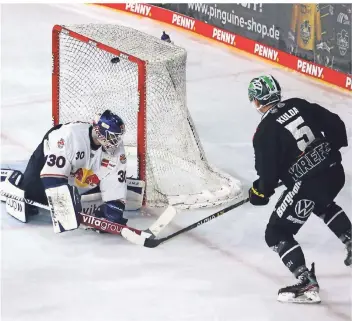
<point x="176" y="168"/>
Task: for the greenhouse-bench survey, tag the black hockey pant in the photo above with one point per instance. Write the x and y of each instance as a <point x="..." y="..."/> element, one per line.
<point x="295" y="205"/>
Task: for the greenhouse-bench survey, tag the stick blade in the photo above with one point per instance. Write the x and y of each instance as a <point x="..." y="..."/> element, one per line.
<point x="151" y="243"/>
<point x="145" y="239"/>
<point x="132" y="237"/>
<point x="164" y="219"/>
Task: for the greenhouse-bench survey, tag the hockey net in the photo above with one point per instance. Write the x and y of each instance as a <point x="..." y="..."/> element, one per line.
<point x="146" y="86"/>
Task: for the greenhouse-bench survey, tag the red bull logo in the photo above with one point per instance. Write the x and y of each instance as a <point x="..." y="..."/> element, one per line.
<point x="86" y="178"/>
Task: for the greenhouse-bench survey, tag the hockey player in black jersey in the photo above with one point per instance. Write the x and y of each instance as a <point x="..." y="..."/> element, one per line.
<point x="298" y="143"/>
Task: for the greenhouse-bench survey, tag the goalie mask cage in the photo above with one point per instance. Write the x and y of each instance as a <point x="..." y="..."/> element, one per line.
<point x="146" y="86"/>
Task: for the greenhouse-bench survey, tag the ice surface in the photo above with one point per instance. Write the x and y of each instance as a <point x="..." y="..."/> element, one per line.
<point x="221" y="271"/>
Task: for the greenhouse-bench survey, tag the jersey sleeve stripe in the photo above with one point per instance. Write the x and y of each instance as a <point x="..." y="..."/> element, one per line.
<point x="53" y="175"/>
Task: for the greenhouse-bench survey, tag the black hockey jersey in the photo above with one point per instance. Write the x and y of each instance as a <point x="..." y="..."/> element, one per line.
<point x="292" y="139"/>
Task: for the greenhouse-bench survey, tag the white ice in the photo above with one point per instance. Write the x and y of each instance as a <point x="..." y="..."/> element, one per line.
<point x="221" y="271"/>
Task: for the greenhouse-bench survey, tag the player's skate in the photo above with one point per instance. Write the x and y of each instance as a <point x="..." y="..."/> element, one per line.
<point x="348" y="260"/>
<point x="305" y="291"/>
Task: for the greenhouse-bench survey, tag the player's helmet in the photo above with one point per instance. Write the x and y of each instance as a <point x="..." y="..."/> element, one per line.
<point x="108" y="130"/>
<point x="265" y="89"/>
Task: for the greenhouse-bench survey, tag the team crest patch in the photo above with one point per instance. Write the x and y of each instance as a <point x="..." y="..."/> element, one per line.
<point x="123" y="158"/>
<point x="105" y="162"/>
<point x="61" y="143"/>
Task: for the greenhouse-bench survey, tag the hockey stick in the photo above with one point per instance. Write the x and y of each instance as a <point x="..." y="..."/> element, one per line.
<point x="152" y="242"/>
<point x="164" y="219"/>
<point x="107" y="226"/>
<point x="85" y="219"/>
<point x="25" y="200"/>
<point x="153" y="231"/>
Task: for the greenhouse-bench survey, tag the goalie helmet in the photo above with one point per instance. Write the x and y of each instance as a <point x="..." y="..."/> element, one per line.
<point x="265" y="89"/>
<point x="108" y="130"/>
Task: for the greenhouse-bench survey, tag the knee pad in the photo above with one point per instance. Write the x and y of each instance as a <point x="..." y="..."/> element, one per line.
<point x="337" y="221"/>
<point x="284" y="244"/>
<point x="329" y="213"/>
<point x="278" y="240"/>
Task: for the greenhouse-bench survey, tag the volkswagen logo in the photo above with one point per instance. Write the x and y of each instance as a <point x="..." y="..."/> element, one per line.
<point x="304" y="207"/>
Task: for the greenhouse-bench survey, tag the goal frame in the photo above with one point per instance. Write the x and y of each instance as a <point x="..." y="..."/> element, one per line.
<point x="194" y="182"/>
<point x="142" y="105"/>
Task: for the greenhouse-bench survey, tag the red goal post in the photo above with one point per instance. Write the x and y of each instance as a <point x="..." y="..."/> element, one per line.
<point x="141" y="118"/>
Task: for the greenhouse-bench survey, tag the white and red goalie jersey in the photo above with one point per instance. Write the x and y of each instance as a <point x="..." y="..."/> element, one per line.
<point x="70" y="154"/>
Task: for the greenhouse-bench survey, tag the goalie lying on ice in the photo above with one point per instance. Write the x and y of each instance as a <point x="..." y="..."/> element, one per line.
<point x="73" y="159"/>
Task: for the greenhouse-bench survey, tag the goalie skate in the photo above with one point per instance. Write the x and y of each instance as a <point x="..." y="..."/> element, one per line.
<point x="305" y="291"/>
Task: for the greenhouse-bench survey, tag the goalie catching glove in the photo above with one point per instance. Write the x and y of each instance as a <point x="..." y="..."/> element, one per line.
<point x="112" y="211"/>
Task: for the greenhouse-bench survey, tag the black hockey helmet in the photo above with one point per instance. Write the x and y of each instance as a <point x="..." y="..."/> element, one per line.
<point x="265" y="89"/>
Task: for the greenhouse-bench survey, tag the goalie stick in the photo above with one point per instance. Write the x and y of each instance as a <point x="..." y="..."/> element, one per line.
<point x="107" y="226"/>
<point x="153" y="242"/>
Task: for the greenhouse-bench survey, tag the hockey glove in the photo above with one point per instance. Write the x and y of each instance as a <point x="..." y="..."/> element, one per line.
<point x="255" y="197"/>
<point x="112" y="211"/>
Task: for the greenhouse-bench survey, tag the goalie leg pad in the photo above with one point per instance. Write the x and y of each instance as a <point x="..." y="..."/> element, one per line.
<point x="10" y="179"/>
<point x="65" y="204"/>
<point x="14" y="207"/>
<point x="5" y="173"/>
<point x="135" y="194"/>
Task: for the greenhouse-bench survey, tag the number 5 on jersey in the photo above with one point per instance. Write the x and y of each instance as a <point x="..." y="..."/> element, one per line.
<point x="302" y="133"/>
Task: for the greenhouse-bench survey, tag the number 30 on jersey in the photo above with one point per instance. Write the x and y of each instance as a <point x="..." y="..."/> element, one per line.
<point x="53" y="160"/>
